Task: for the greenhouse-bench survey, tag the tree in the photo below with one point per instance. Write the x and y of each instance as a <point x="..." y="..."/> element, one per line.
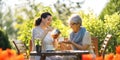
<point x="111" y="7"/>
<point x="8" y="23"/>
<point x="66" y="9"/>
<point x="1" y="5"/>
<point x="4" y="42"/>
<point x="6" y="19"/>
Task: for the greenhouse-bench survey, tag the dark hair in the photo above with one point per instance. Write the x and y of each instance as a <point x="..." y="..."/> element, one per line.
<point x="43" y="15"/>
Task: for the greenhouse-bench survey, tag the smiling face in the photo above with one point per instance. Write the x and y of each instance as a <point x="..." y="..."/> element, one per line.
<point x="47" y="21"/>
<point x="75" y="22"/>
<point x="75" y="26"/>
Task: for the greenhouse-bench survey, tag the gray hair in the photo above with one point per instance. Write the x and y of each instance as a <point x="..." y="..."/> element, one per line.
<point x="76" y="19"/>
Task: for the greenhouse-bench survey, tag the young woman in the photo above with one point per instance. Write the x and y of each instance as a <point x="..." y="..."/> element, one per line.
<point x="42" y="33"/>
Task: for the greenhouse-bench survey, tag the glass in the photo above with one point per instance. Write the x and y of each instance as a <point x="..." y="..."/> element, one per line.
<point x="55" y="33"/>
<point x="73" y="24"/>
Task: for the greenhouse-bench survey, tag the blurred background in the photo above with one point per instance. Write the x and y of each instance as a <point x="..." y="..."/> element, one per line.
<point x="100" y="17"/>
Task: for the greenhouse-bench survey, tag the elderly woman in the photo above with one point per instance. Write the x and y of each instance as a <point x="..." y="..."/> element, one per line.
<point x="80" y="38"/>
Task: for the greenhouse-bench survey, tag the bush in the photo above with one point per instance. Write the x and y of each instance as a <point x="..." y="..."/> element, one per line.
<point x="4" y="42"/>
<point x="100" y="28"/>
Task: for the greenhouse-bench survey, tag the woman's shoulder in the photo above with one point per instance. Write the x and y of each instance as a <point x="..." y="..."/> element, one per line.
<point x="87" y="32"/>
<point x="36" y="28"/>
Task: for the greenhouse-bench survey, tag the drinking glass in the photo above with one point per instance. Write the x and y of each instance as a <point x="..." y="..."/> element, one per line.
<point x="55" y="33"/>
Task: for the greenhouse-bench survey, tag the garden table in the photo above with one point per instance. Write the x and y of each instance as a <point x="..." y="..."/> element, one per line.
<point x="43" y="54"/>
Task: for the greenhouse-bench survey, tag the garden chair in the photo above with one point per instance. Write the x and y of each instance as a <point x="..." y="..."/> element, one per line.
<point x="104" y="45"/>
<point x="94" y="41"/>
<point x="21" y="48"/>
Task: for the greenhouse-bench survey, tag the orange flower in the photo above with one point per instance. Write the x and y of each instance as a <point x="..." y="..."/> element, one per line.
<point x="109" y="56"/>
<point x="3" y="55"/>
<point x="87" y="57"/>
<point x="9" y="54"/>
<point x="99" y="58"/>
<point x="0" y="50"/>
<point x="20" y="57"/>
<point x="117" y="57"/>
<point x="118" y="49"/>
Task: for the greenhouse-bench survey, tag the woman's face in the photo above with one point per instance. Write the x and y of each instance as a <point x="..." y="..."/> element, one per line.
<point x="47" y="21"/>
<point x="75" y="26"/>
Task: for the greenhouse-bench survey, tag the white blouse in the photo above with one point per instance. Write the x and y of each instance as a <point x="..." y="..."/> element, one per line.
<point x="86" y="39"/>
<point x="47" y="43"/>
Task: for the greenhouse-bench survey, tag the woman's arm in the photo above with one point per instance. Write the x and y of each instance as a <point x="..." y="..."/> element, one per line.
<point x="80" y="47"/>
<point x="55" y="43"/>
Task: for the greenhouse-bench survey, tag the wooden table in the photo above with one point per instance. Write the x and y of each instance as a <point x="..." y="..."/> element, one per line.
<point x="43" y="54"/>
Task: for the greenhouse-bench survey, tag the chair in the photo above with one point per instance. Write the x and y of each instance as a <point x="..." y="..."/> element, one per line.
<point x="104" y="45"/>
<point x="94" y="41"/>
<point x="21" y="48"/>
<point x="31" y="45"/>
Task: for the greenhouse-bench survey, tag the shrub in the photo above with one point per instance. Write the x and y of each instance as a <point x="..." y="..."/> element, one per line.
<point x="4" y="42"/>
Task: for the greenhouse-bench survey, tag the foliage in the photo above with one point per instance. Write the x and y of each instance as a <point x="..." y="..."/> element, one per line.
<point x="7" y="20"/>
<point x="111" y="7"/>
<point x="112" y="26"/>
<point x="100" y="29"/>
<point x="24" y="32"/>
<point x="8" y="23"/>
<point x="66" y="9"/>
<point x="1" y="14"/>
<point x="63" y="28"/>
<point x="4" y="42"/>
